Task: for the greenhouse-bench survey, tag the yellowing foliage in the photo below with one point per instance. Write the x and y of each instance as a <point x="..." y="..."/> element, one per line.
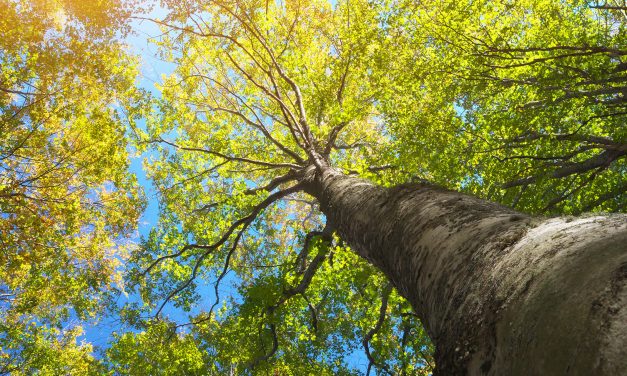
<point x="67" y="200"/>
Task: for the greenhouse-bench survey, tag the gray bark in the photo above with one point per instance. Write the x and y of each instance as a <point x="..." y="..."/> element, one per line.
<point x="499" y="292"/>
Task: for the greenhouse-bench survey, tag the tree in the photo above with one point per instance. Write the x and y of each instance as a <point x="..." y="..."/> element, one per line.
<point x="275" y="106"/>
<point x="67" y="202"/>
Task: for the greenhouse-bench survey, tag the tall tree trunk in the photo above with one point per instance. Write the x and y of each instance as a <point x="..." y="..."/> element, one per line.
<point x="499" y="292"/>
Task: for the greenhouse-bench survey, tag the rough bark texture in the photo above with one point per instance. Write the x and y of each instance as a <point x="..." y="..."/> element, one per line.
<point x="499" y="292"/>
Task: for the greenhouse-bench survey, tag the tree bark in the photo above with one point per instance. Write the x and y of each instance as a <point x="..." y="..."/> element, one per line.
<point x="499" y="292"/>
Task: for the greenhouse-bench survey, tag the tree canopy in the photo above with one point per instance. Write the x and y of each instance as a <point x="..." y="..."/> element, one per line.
<point x="68" y="204"/>
<point x="530" y="93"/>
<point x="520" y="102"/>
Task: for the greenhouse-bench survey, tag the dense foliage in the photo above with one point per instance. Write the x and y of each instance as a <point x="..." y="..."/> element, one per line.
<point x="521" y="102"/>
<point x="67" y="201"/>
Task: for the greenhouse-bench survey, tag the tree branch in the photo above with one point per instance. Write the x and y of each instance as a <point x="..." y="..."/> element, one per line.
<point x="244" y="222"/>
<point x="382" y="313"/>
<point x="273" y="350"/>
<point x="228" y="157"/>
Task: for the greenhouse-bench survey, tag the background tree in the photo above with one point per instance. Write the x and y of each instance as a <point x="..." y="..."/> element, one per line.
<point x="266" y="92"/>
<point x="67" y="201"/>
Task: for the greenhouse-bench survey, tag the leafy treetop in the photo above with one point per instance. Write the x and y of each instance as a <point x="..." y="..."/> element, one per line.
<point x="67" y="201"/>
